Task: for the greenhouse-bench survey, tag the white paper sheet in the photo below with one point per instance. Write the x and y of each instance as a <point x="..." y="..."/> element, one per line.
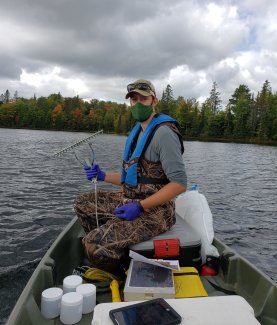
<point x="167" y="264"/>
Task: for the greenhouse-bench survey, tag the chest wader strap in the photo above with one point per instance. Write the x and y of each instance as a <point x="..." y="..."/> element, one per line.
<point x="150" y="180"/>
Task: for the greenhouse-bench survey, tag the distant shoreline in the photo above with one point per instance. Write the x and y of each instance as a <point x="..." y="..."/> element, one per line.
<point x="200" y="138"/>
<point x="232" y="140"/>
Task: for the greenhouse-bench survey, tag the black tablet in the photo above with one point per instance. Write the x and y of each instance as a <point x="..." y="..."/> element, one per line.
<point x="151" y="312"/>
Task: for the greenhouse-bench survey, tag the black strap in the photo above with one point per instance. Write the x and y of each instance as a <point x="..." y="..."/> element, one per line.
<point x="185" y="273"/>
<point x="150" y="180"/>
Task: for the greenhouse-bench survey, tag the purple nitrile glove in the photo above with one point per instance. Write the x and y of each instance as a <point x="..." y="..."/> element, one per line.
<point x="129" y="211"/>
<point x="94" y="172"/>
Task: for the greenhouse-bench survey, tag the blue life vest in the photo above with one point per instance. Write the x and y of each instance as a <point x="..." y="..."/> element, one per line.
<point x="130" y="175"/>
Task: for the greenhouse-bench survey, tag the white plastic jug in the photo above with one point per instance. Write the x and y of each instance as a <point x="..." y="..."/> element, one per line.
<point x="51" y="302"/>
<point x="71" y="282"/>
<point x="88" y="291"/>
<point x="71" y="308"/>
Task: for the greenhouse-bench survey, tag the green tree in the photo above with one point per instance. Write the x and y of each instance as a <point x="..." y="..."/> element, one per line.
<point x="57" y="98"/>
<point x="21" y="112"/>
<point x="273" y="117"/>
<point x="216" y="126"/>
<point x="108" y="122"/>
<point x="263" y="103"/>
<point x="241" y="92"/>
<point x="8" y="114"/>
<point x="167" y="100"/>
<point x="7" y="96"/>
<point x="187" y="114"/>
<point x="241" y="118"/>
<point x="127" y="121"/>
<point x="97" y="118"/>
<point x="2" y="98"/>
<point x="118" y="121"/>
<point x="205" y="116"/>
<point x="214" y="101"/>
<point x="229" y="121"/>
<point x="240" y="106"/>
<point x="252" y="122"/>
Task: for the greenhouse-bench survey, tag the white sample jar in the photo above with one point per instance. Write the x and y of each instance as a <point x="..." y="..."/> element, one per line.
<point x="71" y="282"/>
<point x="51" y="302"/>
<point x="71" y="308"/>
<point x="88" y="291"/>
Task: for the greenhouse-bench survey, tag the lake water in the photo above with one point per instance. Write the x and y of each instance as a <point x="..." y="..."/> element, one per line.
<point x="37" y="193"/>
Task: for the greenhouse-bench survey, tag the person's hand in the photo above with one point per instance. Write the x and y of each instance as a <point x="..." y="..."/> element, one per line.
<point x="94" y="172"/>
<point x="129" y="211"/>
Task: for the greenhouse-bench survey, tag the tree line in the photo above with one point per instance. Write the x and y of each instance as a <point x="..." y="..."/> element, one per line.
<point x="245" y="118"/>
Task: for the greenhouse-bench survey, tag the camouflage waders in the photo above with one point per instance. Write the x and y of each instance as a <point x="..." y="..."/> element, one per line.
<point x="105" y="246"/>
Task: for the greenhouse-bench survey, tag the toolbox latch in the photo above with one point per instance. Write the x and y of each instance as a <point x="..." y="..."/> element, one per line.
<point x="166" y="247"/>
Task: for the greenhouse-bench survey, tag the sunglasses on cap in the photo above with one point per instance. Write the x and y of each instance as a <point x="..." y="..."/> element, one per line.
<point x="140" y="86"/>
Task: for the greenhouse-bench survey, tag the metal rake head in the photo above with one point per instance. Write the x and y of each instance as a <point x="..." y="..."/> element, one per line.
<point x="77" y="144"/>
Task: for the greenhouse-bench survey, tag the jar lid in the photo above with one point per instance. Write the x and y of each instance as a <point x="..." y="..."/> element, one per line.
<point x="52" y="294"/>
<point x="86" y="289"/>
<point x="72" y="281"/>
<point x="72" y="299"/>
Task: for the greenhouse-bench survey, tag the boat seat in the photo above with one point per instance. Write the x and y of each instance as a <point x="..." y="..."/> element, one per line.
<point x="189" y="239"/>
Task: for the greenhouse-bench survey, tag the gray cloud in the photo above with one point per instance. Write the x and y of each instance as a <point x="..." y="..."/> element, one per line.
<point x="107" y="43"/>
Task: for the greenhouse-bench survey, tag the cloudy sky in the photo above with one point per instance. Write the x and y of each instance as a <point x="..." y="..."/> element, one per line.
<point x="94" y="48"/>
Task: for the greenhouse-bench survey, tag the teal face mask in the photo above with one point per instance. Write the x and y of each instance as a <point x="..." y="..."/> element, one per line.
<point x="141" y="112"/>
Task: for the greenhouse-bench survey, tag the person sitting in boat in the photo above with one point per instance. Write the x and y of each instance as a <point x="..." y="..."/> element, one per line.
<point x="153" y="174"/>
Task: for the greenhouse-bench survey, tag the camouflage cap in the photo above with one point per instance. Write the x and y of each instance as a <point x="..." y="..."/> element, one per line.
<point x="141" y="86"/>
